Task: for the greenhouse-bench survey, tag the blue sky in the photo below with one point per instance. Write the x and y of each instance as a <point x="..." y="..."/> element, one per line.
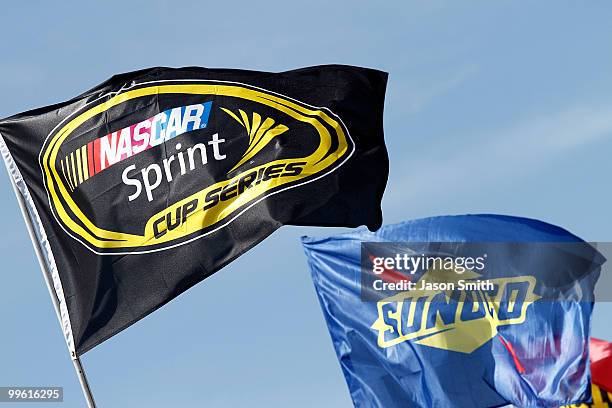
<point x="503" y="108"/>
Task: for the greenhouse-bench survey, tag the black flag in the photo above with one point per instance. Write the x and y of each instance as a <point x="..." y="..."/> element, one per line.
<point x="152" y="181"/>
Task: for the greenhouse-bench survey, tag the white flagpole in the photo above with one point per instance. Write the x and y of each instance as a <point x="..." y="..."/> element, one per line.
<point x="84" y="384"/>
<point x="43" y="265"/>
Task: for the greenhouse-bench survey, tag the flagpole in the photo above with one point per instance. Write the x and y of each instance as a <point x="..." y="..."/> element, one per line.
<point x="84" y="383"/>
<point x="76" y="361"/>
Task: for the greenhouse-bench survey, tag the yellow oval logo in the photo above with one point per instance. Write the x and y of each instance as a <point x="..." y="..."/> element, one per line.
<point x="163" y="163"/>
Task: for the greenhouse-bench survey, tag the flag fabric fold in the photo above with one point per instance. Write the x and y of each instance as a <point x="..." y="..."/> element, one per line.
<point x="600" y="356"/>
<point x="600" y="399"/>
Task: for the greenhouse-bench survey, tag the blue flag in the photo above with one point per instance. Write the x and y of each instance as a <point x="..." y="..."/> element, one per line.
<point x="505" y="317"/>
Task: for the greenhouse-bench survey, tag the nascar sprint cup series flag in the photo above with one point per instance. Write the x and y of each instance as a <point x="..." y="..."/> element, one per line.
<point x="150" y="182"/>
<point x="459" y="311"/>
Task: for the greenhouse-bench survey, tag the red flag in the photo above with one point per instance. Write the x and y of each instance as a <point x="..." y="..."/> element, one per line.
<point x="601" y="363"/>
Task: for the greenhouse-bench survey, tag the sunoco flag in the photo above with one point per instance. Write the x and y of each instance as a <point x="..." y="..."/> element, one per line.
<point x="152" y="181"/>
<point x="517" y="335"/>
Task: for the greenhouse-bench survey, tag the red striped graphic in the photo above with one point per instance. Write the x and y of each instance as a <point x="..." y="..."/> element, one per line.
<point x="90" y="160"/>
<point x="96" y="156"/>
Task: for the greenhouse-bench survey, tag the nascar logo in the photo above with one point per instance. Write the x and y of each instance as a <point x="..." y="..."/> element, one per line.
<point x="459" y="321"/>
<point x="106" y="151"/>
<point x="159" y="178"/>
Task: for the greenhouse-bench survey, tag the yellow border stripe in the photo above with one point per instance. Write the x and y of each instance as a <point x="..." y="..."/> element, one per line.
<point x="73" y="167"/>
<point x="78" y="165"/>
<point x="65" y="175"/>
